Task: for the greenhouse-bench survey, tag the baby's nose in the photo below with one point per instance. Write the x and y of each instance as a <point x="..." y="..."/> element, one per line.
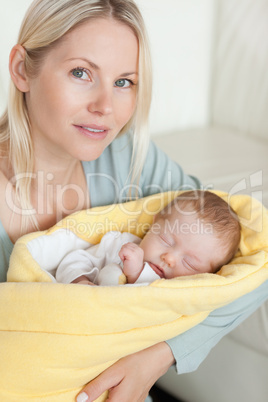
<point x="169" y="259"/>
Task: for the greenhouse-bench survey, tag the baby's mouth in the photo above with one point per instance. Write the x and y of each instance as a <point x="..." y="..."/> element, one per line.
<point x="157" y="270"/>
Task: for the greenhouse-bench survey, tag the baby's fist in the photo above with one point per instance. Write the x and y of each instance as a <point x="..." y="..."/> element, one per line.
<point x="132" y="257"/>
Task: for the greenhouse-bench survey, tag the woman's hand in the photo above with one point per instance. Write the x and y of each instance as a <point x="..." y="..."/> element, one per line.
<point x="130" y="378"/>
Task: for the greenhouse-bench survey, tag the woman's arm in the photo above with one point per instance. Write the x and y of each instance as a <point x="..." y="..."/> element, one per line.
<point x="161" y="174"/>
<point x="131" y="378"/>
<point x="192" y="347"/>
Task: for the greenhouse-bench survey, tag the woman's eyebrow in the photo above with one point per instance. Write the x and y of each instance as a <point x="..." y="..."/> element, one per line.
<point x="96" y="67"/>
<point x="93" y="65"/>
<point x="127" y="74"/>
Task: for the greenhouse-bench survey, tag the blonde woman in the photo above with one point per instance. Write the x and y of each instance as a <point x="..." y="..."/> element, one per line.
<point x="75" y="136"/>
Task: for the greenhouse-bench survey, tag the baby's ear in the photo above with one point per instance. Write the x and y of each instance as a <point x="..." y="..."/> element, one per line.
<point x="17" y="68"/>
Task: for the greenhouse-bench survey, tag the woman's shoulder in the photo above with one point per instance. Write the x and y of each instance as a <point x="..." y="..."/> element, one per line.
<point x="4" y="182"/>
<point x="9" y="225"/>
<point x="5" y="236"/>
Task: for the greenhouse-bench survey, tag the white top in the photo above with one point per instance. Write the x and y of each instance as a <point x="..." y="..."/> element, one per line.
<point x="101" y="263"/>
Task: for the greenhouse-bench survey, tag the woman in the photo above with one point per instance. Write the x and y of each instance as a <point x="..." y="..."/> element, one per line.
<point x="81" y="91"/>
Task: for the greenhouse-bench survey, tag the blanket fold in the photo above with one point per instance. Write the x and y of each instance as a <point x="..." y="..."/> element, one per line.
<point x="56" y="337"/>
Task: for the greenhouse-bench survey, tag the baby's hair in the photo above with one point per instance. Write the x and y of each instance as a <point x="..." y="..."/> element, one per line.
<point x="212" y="210"/>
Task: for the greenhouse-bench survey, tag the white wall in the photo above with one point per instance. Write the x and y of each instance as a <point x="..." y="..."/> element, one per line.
<point x="11" y="15"/>
<point x="180" y="32"/>
<point x="181" y="38"/>
<point x="240" y="86"/>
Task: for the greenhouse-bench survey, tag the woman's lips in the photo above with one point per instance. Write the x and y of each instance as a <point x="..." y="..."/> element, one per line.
<point x="157" y="270"/>
<point x="93" y="131"/>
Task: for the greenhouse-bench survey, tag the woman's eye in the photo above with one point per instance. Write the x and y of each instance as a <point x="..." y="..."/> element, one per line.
<point x="80" y="73"/>
<point x="122" y="83"/>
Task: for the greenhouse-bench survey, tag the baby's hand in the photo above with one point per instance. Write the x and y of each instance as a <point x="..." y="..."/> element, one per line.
<point x="132" y="257"/>
<point x="83" y="280"/>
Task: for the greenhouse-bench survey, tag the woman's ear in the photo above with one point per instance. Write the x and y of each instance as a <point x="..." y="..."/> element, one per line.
<point x="17" y="68"/>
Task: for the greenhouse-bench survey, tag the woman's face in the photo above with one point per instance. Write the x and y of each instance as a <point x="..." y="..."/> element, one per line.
<point x="85" y="91"/>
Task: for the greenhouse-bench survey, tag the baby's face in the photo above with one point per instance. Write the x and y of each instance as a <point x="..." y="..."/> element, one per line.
<point x="182" y="245"/>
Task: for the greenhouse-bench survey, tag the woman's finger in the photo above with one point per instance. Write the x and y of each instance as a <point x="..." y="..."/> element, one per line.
<point x="130" y="378"/>
<point x="110" y="378"/>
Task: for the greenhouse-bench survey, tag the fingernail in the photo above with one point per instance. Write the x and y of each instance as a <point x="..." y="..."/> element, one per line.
<point x="82" y="397"/>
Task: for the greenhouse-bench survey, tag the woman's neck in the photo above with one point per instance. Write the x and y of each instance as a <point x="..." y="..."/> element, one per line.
<point x="57" y="172"/>
<point x="58" y="189"/>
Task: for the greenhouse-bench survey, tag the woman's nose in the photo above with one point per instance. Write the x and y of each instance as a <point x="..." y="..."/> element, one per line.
<point x="101" y="100"/>
<point x="168" y="259"/>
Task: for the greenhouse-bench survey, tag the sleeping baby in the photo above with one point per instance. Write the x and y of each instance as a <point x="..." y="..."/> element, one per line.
<point x="198" y="232"/>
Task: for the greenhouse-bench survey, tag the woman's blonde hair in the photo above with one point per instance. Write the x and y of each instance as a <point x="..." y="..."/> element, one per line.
<point x="44" y="24"/>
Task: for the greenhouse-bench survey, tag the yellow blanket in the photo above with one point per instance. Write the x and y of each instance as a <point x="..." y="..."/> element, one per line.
<point x="54" y="338"/>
